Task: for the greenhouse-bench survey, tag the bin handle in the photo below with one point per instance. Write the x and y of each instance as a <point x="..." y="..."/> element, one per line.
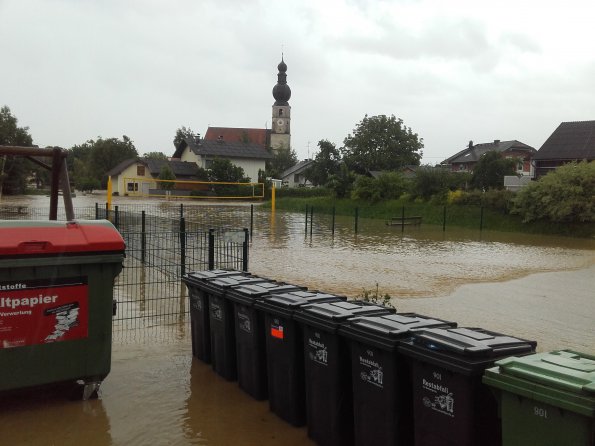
<point x="34" y="246"/>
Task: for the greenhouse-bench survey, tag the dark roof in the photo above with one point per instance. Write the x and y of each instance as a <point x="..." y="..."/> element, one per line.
<point x="179" y="168"/>
<point x="225" y="149"/>
<point x="237" y="134"/>
<point x="570" y="141"/>
<point x="473" y="153"/>
<point x="298" y="168"/>
<point x="120" y="167"/>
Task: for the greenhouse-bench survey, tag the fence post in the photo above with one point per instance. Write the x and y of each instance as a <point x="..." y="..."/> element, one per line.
<point x="356" y="218"/>
<point x="116" y="217"/>
<point x="182" y="246"/>
<point x="181" y="210"/>
<point x="403" y="219"/>
<point x="481" y="219"/>
<point x="444" y="219"/>
<point x="333" y="223"/>
<point x="143" y="239"/>
<point x="96" y="211"/>
<point x="311" y="218"/>
<point x="306" y="220"/>
<point x="251" y="220"/>
<point x="211" y="249"/>
<point x="245" y="251"/>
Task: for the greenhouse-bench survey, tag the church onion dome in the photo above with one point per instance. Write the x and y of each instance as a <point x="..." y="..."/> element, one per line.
<point x="281" y="91"/>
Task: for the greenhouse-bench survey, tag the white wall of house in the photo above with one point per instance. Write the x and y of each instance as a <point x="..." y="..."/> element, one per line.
<point x="134" y="180"/>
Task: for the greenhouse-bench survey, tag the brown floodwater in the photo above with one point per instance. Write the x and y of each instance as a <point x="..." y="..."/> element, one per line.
<point x="536" y="287"/>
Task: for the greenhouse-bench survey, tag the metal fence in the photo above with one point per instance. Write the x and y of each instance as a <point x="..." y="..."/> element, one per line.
<point x="160" y="248"/>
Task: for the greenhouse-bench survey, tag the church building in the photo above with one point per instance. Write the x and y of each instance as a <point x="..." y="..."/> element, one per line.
<point x="247" y="148"/>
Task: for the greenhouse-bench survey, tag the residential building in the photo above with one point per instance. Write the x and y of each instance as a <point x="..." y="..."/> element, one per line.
<point x="571" y="141"/>
<point x="295" y="176"/>
<point x="249" y="156"/>
<point x="140" y="175"/>
<point x="466" y="159"/>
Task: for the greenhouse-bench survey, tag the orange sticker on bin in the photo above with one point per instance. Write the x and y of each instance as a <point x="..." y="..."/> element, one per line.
<point x="277" y="331"/>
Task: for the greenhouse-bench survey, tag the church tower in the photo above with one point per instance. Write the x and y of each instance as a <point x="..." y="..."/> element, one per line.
<point x="280" y="130"/>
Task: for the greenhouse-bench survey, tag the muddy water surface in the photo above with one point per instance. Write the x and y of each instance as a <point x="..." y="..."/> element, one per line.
<point x="537" y="287"/>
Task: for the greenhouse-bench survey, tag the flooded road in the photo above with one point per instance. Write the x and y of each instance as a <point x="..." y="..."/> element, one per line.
<point x="536" y="287"/>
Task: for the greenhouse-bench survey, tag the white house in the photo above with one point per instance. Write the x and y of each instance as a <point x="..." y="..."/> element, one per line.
<point x="249" y="156"/>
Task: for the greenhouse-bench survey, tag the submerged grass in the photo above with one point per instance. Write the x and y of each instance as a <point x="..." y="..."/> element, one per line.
<point x="464" y="216"/>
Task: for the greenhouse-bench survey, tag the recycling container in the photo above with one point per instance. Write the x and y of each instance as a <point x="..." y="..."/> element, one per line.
<point x="222" y="322"/>
<point x="56" y="297"/>
<point x="546" y="399"/>
<point x="250" y="335"/>
<point x="382" y="401"/>
<point x="199" y="310"/>
<point x="285" y="351"/>
<point x="451" y="405"/>
<point x="329" y="408"/>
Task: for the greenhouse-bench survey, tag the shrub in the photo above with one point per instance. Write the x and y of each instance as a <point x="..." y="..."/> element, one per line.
<point x="565" y="195"/>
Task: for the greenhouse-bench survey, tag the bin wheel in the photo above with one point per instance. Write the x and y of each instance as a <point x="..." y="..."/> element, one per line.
<point x="85" y="390"/>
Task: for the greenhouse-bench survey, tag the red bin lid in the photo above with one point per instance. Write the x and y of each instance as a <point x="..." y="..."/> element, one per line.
<point x="54" y="237"/>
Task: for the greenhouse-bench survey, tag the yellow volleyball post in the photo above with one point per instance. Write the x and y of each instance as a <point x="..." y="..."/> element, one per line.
<point x="273" y="198"/>
<point x="109" y="193"/>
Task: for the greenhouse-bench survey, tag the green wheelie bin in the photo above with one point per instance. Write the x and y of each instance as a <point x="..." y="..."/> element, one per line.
<point x="546" y="399"/>
<point x="56" y="296"/>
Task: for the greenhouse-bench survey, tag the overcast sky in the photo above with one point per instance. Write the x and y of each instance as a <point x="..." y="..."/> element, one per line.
<point x="454" y="71"/>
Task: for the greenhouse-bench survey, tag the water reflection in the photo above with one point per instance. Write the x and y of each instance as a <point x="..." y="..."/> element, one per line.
<point x="47" y="415"/>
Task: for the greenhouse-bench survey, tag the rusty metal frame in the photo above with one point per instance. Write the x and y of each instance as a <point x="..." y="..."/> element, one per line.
<point x="59" y="174"/>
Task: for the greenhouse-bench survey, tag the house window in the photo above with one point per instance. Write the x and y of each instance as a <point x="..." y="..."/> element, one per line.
<point x="462" y="167"/>
<point x="208" y="164"/>
<point x="132" y="187"/>
<point x="296" y="178"/>
<point x="280" y="112"/>
<point x="140" y="171"/>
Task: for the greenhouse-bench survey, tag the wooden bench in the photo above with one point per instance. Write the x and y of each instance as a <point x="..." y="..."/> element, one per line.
<point x="400" y="221"/>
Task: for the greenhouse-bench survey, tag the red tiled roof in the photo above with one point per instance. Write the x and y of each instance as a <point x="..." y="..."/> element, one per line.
<point x="233" y="134"/>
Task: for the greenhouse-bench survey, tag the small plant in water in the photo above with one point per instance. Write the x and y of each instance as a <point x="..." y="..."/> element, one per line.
<point x="375" y="297"/>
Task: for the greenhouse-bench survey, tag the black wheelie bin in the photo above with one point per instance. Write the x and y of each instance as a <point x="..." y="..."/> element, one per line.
<point x="382" y="402"/>
<point x="285" y="351"/>
<point x="451" y="404"/>
<point x="199" y="310"/>
<point x="329" y="402"/>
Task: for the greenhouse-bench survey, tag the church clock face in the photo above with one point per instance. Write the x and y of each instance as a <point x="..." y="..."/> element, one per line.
<point x="281" y="124"/>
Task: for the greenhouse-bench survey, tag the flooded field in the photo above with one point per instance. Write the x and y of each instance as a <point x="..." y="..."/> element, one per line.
<point x="536" y="287"/>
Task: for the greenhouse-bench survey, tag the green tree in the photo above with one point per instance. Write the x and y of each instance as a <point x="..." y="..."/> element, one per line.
<point x="326" y="163"/>
<point x="166" y="173"/>
<point x="160" y="156"/>
<point x="436" y="182"/>
<point x="381" y="143"/>
<point x="490" y="170"/>
<point x="13" y="169"/>
<point x="182" y="133"/>
<point x="564" y="195"/>
<point x="106" y="154"/>
<point x="341" y="183"/>
<point x="387" y="186"/>
<point x="283" y="158"/>
<point x="224" y="170"/>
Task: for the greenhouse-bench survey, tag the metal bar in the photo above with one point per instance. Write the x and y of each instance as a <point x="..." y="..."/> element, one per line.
<point x="306" y="220"/>
<point x="29" y="151"/>
<point x="116" y="216"/>
<point x="251" y="220"/>
<point x="333" y="223"/>
<point x="311" y="219"/>
<point x="182" y="246"/>
<point x="143" y="238"/>
<point x="245" y="251"/>
<point x="96" y="211"/>
<point x="55" y="184"/>
<point x="356" y="218"/>
<point x="211" y="249"/>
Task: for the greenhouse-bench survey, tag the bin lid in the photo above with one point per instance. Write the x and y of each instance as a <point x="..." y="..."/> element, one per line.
<point x="221" y="285"/>
<point x="563" y="378"/>
<point x="466" y="349"/>
<point x="285" y="303"/>
<point x="195" y="277"/>
<point x="34" y="238"/>
<point x="386" y="330"/>
<point x="330" y="315"/>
